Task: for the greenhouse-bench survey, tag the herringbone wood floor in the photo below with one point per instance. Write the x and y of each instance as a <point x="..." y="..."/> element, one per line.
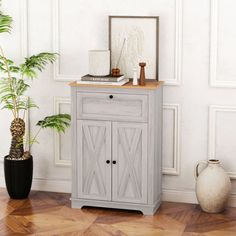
<point x="50" y="214"/>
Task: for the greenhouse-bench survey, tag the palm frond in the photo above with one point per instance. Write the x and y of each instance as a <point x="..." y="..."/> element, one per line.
<point x="10" y="65"/>
<point x="2" y="67"/>
<point x="8" y="106"/>
<point x="20" y="87"/>
<point x="26" y="104"/>
<point x="30" y="104"/>
<point x="58" y="122"/>
<point x="36" y="62"/>
<point x="27" y="140"/>
<point x="6" y="94"/>
<point x="5" y="23"/>
<point x="14" y="90"/>
<point x="14" y="69"/>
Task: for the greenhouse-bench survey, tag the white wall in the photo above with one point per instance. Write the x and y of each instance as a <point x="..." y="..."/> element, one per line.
<point x="197" y="61"/>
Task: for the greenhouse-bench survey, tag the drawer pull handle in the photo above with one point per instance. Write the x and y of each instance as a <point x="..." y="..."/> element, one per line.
<point x="111" y="96"/>
<point x="108" y="161"/>
<point x="114" y="162"/>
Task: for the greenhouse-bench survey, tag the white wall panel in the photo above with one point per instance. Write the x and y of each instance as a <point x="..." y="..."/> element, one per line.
<point x="79" y="27"/>
<point x="62" y="148"/>
<point x="5" y="136"/>
<point x="222" y="136"/>
<point x="43" y="91"/>
<point x="171" y="121"/>
<point x="223" y="48"/>
<point x="15" y="44"/>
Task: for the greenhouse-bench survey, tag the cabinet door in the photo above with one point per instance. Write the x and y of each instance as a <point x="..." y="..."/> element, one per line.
<point x="129" y="171"/>
<point x="94" y="151"/>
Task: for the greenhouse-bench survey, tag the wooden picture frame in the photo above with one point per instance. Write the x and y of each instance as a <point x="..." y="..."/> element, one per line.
<point x="140" y="37"/>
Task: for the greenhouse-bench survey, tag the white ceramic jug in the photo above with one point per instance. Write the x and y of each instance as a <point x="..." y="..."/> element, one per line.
<point x="212" y="186"/>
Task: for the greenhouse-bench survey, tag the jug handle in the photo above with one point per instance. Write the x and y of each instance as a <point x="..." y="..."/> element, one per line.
<point x="196" y="171"/>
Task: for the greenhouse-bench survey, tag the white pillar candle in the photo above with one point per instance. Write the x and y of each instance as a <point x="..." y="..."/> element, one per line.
<point x="99" y="62"/>
<point x="135" y="77"/>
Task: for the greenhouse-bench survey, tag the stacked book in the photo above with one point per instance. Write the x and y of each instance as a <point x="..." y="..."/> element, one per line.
<point x="103" y="80"/>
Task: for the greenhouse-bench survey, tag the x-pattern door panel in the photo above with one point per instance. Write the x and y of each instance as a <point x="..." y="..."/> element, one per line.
<point x="94" y="149"/>
<point x="130" y="153"/>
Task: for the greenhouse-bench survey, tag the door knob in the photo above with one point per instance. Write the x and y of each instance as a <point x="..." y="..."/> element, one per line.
<point x="108" y="161"/>
<point x="111" y="96"/>
<point x="114" y="162"/>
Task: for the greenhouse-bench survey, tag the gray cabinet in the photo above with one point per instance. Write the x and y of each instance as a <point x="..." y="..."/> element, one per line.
<point x="116" y="147"/>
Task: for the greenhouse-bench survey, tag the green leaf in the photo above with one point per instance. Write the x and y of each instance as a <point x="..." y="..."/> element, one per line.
<point x="26" y="104"/>
<point x="5" y="23"/>
<point x="30" y="104"/>
<point x="14" y="69"/>
<point x="36" y="63"/>
<point x="58" y="122"/>
<point x="10" y="65"/>
<point x="8" y="106"/>
<point x="21" y="87"/>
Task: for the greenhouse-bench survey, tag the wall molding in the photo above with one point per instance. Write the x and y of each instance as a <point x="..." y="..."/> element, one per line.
<point x="50" y="185"/>
<point x="175" y="170"/>
<point x="24" y="28"/>
<point x="176" y="81"/>
<point x="185" y="196"/>
<point x="214" y="81"/>
<point x="188" y="196"/>
<point x="57" y="140"/>
<point x="57" y="76"/>
<point x="213" y="42"/>
<point x="47" y="185"/>
<point x="213" y="109"/>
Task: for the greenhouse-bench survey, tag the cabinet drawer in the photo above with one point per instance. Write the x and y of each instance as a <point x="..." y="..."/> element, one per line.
<point x="121" y="107"/>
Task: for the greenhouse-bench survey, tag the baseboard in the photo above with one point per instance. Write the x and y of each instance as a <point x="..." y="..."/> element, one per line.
<point x="188" y="197"/>
<point x="232" y="200"/>
<point x="179" y="196"/>
<point x="64" y="186"/>
<point x="60" y="186"/>
<point x="2" y="182"/>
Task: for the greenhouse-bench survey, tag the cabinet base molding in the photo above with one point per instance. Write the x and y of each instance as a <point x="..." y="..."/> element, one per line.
<point x="145" y="209"/>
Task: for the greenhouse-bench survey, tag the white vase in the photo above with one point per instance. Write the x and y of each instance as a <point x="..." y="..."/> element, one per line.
<point x="212" y="186"/>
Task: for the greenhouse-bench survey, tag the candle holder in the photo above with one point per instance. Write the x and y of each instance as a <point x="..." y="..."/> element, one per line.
<point x="115" y="72"/>
<point x="142" y="78"/>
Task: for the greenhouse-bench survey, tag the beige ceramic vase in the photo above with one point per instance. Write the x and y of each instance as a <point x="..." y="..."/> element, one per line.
<point x="212" y="186"/>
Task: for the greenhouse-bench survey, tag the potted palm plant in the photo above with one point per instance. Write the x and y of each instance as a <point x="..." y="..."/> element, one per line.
<point x="14" y="84"/>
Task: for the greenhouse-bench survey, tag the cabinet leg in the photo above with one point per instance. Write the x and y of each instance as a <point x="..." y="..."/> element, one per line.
<point x="147" y="212"/>
<point x="76" y="204"/>
<point x="150" y="211"/>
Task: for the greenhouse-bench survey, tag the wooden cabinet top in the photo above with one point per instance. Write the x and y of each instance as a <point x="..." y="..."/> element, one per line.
<point x="150" y="84"/>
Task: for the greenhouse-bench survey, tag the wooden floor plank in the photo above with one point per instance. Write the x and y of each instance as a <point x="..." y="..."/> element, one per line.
<point x="46" y="214"/>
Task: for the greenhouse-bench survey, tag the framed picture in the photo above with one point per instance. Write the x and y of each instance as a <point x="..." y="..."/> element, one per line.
<point x="134" y="39"/>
